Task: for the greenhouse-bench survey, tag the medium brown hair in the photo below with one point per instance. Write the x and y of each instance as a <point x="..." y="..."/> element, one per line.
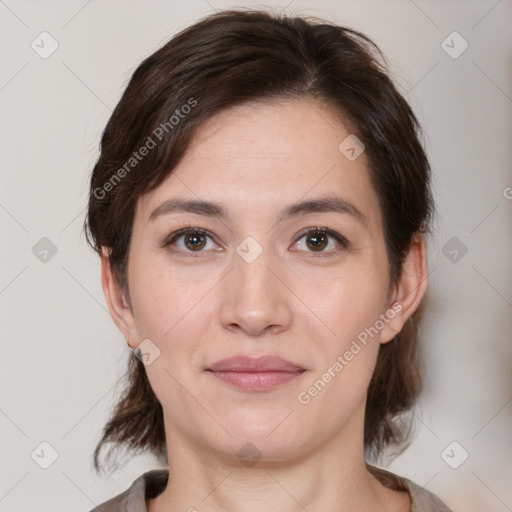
<point x="234" y="57"/>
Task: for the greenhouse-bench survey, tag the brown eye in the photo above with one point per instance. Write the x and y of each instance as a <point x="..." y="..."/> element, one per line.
<point x="194" y="241"/>
<point x="189" y="241"/>
<point x="318" y="239"/>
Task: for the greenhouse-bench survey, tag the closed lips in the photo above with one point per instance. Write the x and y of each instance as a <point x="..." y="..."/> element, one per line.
<point x="255" y="365"/>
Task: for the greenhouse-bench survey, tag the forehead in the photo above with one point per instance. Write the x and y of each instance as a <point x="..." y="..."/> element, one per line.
<point x="256" y="157"/>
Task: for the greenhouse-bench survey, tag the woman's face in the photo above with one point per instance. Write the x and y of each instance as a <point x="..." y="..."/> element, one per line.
<point x="258" y="285"/>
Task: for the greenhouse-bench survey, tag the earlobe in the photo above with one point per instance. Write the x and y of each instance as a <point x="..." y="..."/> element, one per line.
<point x="410" y="290"/>
<point x="118" y="305"/>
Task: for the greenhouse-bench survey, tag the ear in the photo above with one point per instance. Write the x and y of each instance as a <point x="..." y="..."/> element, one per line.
<point x="410" y="290"/>
<point x="119" y="306"/>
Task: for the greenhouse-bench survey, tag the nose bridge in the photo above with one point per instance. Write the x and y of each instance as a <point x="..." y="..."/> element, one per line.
<point x="251" y="270"/>
<point x="256" y="297"/>
<point x="251" y="265"/>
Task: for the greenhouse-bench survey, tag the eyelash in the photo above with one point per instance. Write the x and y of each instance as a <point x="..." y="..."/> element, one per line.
<point x="344" y="243"/>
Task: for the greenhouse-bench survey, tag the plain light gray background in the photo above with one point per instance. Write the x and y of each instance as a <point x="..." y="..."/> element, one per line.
<point x="61" y="353"/>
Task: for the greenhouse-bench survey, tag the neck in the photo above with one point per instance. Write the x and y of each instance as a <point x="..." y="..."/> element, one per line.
<point x="331" y="477"/>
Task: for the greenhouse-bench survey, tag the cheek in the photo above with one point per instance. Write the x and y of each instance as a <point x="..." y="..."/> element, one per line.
<point x="174" y="313"/>
<point x="169" y="311"/>
<point x="349" y="308"/>
<point x="345" y="360"/>
<point x="347" y="300"/>
<point x="162" y="299"/>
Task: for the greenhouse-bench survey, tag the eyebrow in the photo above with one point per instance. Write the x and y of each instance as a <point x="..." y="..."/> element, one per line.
<point x="209" y="209"/>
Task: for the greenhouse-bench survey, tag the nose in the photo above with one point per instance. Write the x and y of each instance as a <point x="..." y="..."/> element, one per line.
<point x="255" y="298"/>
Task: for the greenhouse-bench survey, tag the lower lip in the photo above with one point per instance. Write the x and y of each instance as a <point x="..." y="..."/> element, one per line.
<point x="256" y="381"/>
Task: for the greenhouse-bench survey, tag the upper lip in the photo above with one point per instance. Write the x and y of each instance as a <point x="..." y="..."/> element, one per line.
<point x="243" y="363"/>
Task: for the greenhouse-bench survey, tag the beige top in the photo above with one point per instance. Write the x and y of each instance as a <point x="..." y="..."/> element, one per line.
<point x="150" y="484"/>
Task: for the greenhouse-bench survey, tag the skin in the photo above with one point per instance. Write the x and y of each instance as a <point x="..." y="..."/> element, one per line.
<point x="291" y="302"/>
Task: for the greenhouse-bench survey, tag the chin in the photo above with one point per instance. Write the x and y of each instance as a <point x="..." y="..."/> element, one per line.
<point x="265" y="440"/>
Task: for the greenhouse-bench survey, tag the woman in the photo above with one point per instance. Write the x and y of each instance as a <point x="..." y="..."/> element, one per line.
<point x="260" y="206"/>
